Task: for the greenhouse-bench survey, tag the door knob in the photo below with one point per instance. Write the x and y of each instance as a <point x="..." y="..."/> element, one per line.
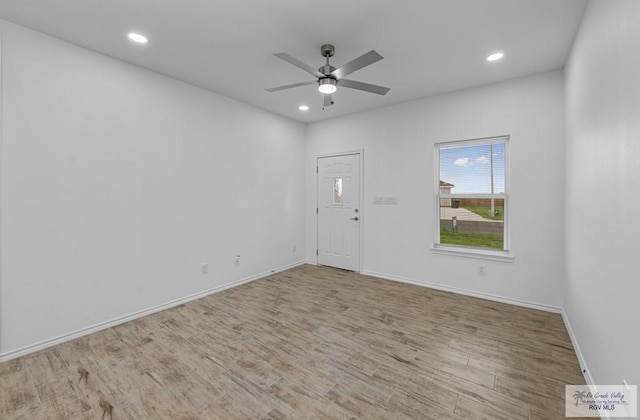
<point x="354" y="218"/>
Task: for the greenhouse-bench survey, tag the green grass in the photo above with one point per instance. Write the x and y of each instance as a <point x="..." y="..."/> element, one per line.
<point x="480" y="240"/>
<point x="486" y="212"/>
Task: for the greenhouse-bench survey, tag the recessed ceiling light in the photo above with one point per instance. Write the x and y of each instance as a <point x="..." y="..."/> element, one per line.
<point x="303" y="108"/>
<point x="495" y="56"/>
<point x="138" y="38"/>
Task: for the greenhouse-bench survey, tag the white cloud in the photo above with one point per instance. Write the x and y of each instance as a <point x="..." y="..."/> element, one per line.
<point x="461" y="161"/>
<point x="482" y="159"/>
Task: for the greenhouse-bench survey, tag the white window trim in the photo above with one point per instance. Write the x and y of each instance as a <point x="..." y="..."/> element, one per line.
<point x="477" y="253"/>
<point x="463" y="251"/>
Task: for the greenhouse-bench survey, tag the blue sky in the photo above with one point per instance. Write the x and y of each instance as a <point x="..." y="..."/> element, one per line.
<point x="469" y="168"/>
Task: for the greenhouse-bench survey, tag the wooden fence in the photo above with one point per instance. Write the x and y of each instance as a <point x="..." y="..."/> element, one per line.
<point x="471" y="226"/>
<point x="475" y="202"/>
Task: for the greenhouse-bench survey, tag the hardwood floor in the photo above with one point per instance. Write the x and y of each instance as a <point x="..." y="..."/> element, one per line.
<point x="307" y="343"/>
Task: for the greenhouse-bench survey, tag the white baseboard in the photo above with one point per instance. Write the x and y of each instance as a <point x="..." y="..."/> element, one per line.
<point x="13" y="354"/>
<point x="583" y="364"/>
<point x="581" y="360"/>
<point x="466" y="292"/>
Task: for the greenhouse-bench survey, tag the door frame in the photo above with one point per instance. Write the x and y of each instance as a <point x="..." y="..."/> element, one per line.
<point x="360" y="153"/>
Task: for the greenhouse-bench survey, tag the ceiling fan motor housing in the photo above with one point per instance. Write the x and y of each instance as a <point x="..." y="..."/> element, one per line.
<point x="326" y="70"/>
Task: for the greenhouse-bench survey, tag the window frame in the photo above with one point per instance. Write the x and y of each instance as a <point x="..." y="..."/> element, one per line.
<point x="503" y="255"/>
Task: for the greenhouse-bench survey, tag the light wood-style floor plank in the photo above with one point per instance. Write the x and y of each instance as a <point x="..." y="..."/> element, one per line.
<point x="307" y="343"/>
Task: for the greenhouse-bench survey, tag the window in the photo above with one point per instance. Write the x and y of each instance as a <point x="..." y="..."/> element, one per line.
<point x="337" y="190"/>
<point x="471" y="196"/>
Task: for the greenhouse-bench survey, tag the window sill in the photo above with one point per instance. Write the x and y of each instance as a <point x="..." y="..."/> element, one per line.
<point x="502" y="256"/>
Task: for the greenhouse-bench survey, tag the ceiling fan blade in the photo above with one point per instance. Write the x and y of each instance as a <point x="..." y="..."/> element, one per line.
<point x="275" y="89"/>
<point x="367" y="87"/>
<point x="299" y="64"/>
<point x="328" y="100"/>
<point x="356" y="64"/>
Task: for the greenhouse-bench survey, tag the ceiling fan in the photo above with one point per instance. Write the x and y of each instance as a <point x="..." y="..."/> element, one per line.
<point x="329" y="77"/>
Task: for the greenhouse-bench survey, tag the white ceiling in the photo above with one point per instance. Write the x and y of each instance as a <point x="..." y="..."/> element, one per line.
<point x="430" y="46"/>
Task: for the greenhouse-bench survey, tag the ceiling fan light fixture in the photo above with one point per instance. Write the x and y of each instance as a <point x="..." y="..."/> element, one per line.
<point x="327" y="86"/>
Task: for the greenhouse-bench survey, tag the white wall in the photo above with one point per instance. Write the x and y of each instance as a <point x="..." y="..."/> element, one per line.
<point x="398" y="162"/>
<point x="117" y="183"/>
<point x="603" y="180"/>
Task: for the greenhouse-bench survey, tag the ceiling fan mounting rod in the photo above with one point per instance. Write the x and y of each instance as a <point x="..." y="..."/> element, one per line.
<point x="327" y="50"/>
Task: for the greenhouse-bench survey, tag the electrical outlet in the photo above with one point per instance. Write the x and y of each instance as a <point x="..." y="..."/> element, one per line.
<point x="293" y="248"/>
<point x="204" y="268"/>
<point x="481" y="270"/>
<point x="237" y="260"/>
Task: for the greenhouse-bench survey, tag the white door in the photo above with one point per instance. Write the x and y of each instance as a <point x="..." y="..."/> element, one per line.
<point x="339" y="211"/>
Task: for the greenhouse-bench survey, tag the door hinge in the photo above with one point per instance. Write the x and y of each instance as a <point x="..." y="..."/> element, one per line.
<point x="316" y="251"/>
<point x="316" y="210"/>
<point x="316" y="169"/>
